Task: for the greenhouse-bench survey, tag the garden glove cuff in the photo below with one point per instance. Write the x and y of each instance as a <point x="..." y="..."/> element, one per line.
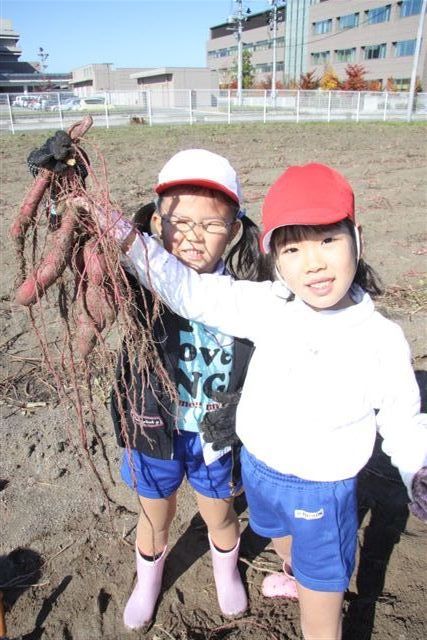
<point x="219" y="426"/>
<point x="418" y="506"/>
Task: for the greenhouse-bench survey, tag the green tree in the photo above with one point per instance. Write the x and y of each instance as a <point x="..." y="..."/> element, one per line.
<point x="248" y="71"/>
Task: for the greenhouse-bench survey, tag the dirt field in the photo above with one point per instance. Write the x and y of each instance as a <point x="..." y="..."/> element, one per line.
<point x="69" y="549"/>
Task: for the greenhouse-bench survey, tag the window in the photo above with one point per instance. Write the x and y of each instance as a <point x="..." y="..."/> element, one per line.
<point x="402" y="84"/>
<point x="374" y="51"/>
<point x="324" y="26"/>
<point x="264" y="45"/>
<point x="345" y="55"/>
<point x="320" y="57"/>
<point x="348" y="22"/>
<point x="268" y="68"/>
<point x="222" y="53"/>
<point x="410" y="8"/>
<point x="380" y="14"/>
<point x="404" y="48"/>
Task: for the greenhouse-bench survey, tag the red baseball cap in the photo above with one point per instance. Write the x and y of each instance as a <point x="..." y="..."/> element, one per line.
<point x="311" y="194"/>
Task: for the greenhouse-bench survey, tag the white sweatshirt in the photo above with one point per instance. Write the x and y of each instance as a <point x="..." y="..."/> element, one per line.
<point x="316" y="379"/>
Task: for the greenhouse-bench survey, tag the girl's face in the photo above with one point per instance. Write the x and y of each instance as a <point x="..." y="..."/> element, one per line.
<point x="180" y="221"/>
<point x="320" y="267"/>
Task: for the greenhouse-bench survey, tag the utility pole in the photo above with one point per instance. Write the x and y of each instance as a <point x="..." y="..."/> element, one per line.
<point x="237" y="21"/>
<point x="43" y="55"/>
<point x="274" y="27"/>
<point x="239" y="51"/>
<point x="412" y="86"/>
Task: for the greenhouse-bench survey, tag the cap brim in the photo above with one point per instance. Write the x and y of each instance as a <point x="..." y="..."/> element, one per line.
<point x="208" y="184"/>
<point x="316" y="220"/>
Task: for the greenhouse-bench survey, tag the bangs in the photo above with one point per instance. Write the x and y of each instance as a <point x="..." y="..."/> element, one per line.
<point x="299" y="232"/>
<point x="196" y="190"/>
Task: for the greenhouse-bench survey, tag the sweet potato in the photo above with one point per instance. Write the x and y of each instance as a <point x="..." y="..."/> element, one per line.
<point x="78" y="129"/>
<point x="94" y="262"/>
<point x="99" y="311"/>
<point x="52" y="265"/>
<point x="28" y="208"/>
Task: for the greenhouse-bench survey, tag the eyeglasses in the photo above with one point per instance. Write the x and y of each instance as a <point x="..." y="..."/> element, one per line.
<point x="219" y="227"/>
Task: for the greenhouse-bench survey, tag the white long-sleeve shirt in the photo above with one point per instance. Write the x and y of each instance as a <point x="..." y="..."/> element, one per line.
<point x="319" y="384"/>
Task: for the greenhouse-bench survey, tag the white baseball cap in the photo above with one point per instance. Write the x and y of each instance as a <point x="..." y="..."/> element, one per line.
<point x="203" y="168"/>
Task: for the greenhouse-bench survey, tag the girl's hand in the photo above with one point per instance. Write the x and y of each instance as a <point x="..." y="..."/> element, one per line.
<point x="56" y="154"/>
<point x="117" y="226"/>
<point x="418" y="506"/>
<point x="110" y="222"/>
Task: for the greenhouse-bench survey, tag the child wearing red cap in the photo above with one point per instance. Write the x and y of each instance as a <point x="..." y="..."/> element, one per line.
<point x="197" y="215"/>
<point x="328" y="371"/>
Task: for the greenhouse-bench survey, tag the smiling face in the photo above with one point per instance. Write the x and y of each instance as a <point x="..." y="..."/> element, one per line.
<point x="318" y="265"/>
<point x="199" y="247"/>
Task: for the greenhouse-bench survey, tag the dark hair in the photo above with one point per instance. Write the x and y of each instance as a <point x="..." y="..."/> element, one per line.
<point x="365" y="276"/>
<point x="244" y="260"/>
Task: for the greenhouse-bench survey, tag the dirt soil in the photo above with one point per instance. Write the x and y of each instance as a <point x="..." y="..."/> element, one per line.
<point x="66" y="563"/>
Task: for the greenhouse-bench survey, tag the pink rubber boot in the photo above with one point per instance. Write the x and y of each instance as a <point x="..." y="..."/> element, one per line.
<point x="140" y="606"/>
<point x="231" y="593"/>
<point x="280" y="585"/>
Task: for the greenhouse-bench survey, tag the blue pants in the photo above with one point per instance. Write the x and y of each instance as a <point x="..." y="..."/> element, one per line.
<point x="157" y="478"/>
<point x="321" y="517"/>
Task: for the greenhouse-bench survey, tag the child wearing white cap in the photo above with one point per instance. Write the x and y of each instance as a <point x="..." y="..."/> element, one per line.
<point x="197" y="215"/>
<point x="328" y="371"/>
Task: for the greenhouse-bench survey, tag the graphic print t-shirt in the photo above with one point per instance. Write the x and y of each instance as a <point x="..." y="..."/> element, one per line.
<point x="205" y="361"/>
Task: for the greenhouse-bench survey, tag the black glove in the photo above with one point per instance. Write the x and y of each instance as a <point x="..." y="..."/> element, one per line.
<point x="52" y="155"/>
<point x="418" y="506"/>
<point x="219" y="427"/>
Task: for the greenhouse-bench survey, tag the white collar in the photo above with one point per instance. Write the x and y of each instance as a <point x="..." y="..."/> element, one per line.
<point x="350" y="316"/>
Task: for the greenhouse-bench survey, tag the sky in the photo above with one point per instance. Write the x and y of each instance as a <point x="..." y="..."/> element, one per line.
<point x="126" y="33"/>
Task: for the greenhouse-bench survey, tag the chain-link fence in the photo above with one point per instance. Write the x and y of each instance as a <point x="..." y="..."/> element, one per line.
<point x="20" y="112"/>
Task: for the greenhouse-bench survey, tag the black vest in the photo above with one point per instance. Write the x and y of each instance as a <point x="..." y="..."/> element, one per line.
<point x="150" y="427"/>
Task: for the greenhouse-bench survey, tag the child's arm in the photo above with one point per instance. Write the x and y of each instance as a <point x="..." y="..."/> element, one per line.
<point x="233" y="307"/>
<point x="402" y="426"/>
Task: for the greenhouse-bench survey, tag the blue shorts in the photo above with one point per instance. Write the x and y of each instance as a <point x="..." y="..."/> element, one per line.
<point x="157" y="478"/>
<point x="321" y="517"/>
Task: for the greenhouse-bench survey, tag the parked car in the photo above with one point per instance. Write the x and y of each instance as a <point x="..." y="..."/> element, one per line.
<point x="92" y="103"/>
<point x="70" y="104"/>
<point x="21" y="101"/>
<point x="27" y="101"/>
<point x="45" y="104"/>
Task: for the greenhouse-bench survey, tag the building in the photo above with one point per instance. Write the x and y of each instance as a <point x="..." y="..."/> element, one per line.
<point x="380" y="35"/>
<point x="23" y="77"/>
<point x="313" y="34"/>
<point x="296" y="38"/>
<point x="256" y="38"/>
<point x="171" y="85"/>
<point x="97" y="78"/>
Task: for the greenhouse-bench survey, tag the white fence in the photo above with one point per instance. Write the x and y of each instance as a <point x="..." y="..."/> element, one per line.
<point x="58" y="110"/>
